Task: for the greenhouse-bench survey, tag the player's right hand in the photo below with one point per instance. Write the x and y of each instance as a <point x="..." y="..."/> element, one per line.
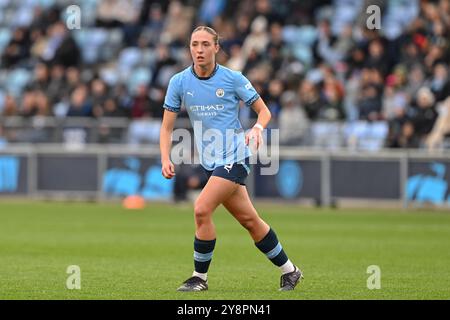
<point x="168" y="170"/>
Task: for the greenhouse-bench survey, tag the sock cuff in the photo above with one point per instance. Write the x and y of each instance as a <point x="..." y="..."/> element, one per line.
<point x="268" y="243"/>
<point x="204" y="246"/>
<point x="204" y="241"/>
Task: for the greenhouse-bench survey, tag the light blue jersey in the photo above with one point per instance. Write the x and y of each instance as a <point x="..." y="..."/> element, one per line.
<point x="213" y="107"/>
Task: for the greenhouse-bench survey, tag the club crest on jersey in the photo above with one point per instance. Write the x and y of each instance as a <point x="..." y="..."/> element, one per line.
<point x="220" y="93"/>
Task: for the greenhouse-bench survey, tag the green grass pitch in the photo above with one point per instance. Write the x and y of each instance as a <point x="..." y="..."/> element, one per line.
<point x="147" y="254"/>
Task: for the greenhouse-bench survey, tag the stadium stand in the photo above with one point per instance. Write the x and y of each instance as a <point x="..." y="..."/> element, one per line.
<point x="313" y="61"/>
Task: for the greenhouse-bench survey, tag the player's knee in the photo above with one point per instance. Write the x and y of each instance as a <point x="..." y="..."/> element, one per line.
<point x="202" y="212"/>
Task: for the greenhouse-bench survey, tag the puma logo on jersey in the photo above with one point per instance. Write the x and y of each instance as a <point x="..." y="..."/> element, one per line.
<point x="228" y="167"/>
<point x="190" y="93"/>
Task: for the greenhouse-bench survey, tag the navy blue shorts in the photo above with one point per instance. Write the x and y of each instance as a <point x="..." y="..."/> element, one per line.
<point x="236" y="172"/>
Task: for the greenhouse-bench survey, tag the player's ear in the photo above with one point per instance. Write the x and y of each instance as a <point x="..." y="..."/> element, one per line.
<point x="217" y="48"/>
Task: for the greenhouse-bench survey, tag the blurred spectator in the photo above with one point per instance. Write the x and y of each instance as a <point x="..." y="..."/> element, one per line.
<point x="407" y="137"/>
<point x="210" y="9"/>
<point x="98" y="96"/>
<point x="416" y="79"/>
<point x="34" y="103"/>
<point x="108" y="108"/>
<point x="61" y="47"/>
<point x="293" y="121"/>
<point x="410" y="54"/>
<point x="41" y="77"/>
<point x="355" y="61"/>
<point x="393" y="100"/>
<point x="177" y="28"/>
<point x="333" y="108"/>
<point x="256" y="42"/>
<point x="147" y="103"/>
<point x="441" y="128"/>
<point x="3" y="139"/>
<point x="424" y="114"/>
<point x="236" y="60"/>
<point x="140" y="106"/>
<point x="275" y="48"/>
<point x="164" y="66"/>
<point x="377" y="57"/>
<point x="310" y="99"/>
<point x="57" y="86"/>
<point x="79" y="104"/>
<point x="116" y="13"/>
<point x="369" y="103"/>
<point x="440" y="82"/>
<point x="73" y="78"/>
<point x="10" y="107"/>
<point x="396" y="124"/>
<point x="155" y="25"/>
<point x="124" y="99"/>
<point x="272" y="99"/>
<point x="17" y="49"/>
<point x="333" y="49"/>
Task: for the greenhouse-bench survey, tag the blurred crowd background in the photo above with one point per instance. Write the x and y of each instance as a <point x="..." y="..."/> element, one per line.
<point x="329" y="81"/>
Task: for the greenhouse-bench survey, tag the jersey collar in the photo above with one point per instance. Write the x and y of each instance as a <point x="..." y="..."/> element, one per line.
<point x="204" y="78"/>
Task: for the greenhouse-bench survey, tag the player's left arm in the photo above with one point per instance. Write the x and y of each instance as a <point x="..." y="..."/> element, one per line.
<point x="263" y="120"/>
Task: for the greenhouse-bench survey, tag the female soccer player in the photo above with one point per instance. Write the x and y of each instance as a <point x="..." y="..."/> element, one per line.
<point x="211" y="94"/>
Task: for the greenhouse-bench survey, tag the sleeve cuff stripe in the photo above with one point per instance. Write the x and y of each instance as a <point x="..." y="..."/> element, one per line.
<point x="171" y="108"/>
<point x="252" y="99"/>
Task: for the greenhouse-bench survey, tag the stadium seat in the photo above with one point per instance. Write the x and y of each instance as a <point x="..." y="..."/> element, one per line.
<point x="89" y="3"/>
<point x="143" y="131"/>
<point x="4" y="3"/>
<point x="46" y="3"/>
<point x="365" y="135"/>
<point x="5" y="37"/>
<point x="327" y="135"/>
<point x="8" y="17"/>
<point x="92" y="42"/>
<point x="3" y="77"/>
<point x="115" y="37"/>
<point x="110" y="75"/>
<point x="345" y="12"/>
<point x="139" y="76"/>
<point x="400" y="13"/>
<point x="97" y="36"/>
<point x="303" y="53"/>
<point x="2" y="101"/>
<point x="64" y="3"/>
<point x="307" y="35"/>
<point x="17" y="80"/>
<point x="290" y="34"/>
<point x="148" y="57"/>
<point x="95" y="39"/>
<point x="128" y="59"/>
<point x="22" y="17"/>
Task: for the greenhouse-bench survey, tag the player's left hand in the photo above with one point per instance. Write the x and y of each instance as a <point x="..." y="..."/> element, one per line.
<point x="255" y="134"/>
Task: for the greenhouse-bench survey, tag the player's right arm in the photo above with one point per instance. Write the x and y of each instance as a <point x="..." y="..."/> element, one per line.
<point x="172" y="104"/>
<point x="165" y="143"/>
